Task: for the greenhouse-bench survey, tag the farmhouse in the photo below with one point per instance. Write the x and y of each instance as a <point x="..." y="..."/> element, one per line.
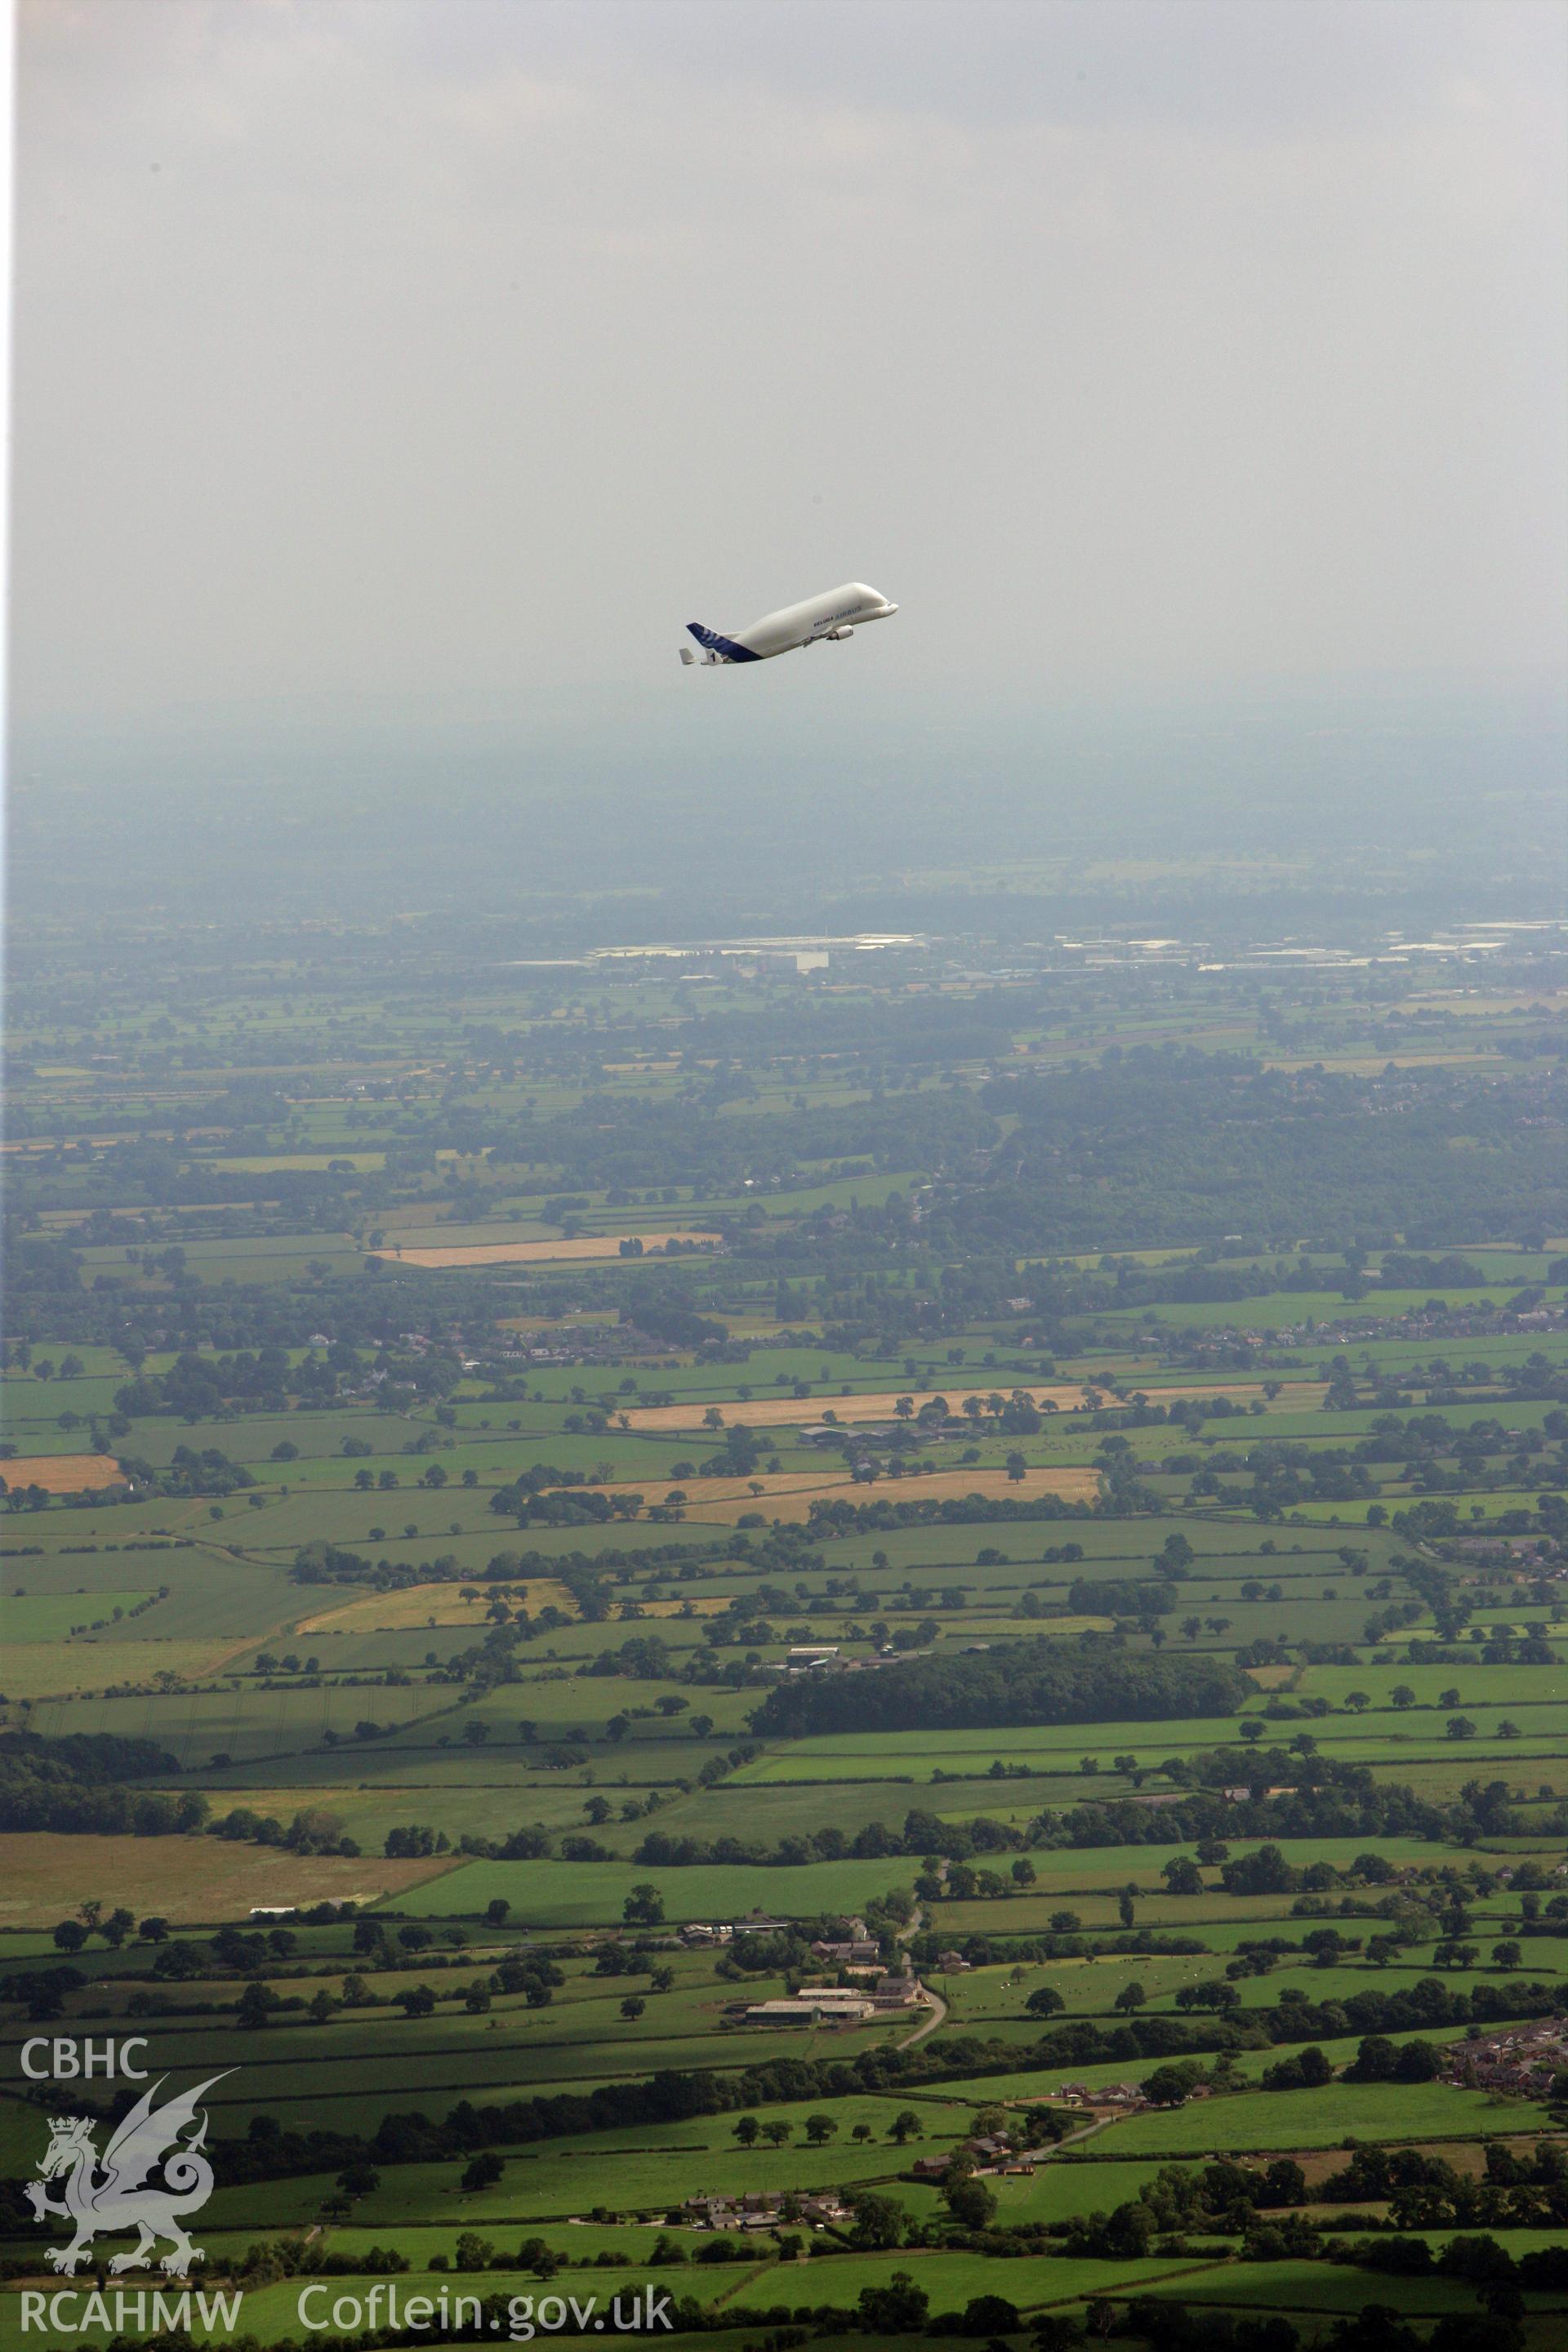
<point x="899" y="1992"/>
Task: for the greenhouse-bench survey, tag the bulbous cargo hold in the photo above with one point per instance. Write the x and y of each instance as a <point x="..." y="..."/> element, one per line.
<point x="831" y="617"/>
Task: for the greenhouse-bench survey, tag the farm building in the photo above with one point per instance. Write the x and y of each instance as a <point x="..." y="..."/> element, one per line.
<point x="813" y="2008"/>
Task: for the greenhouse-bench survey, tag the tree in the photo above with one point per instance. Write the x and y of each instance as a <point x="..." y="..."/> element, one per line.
<point x="70" y="1936"/>
<point x="896" y="2309"/>
<point x="1401" y="1697"/>
<point x="1168" y="2086"/>
<point x="971" y="2202"/>
<point x="359" y="2178"/>
<point x="254" y="2002"/>
<point x="878" y="2222"/>
<point x="776" y="2132"/>
<point x="990" y="2316"/>
<point x="496" y="1911"/>
<point x="745" y="2130"/>
<point x="1045" y="2002"/>
<point x="906" y="2125"/>
<point x="1460" y="1726"/>
<point x="632" y="2006"/>
<point x="820" y="2129"/>
<point x="1131" y="1998"/>
<point x="1358" y="1701"/>
<point x="644" y="1906"/>
<point x="483" y="2170"/>
<point x="1506" y="1955"/>
<point x="1284" y="2183"/>
<point x="1182" y="1875"/>
<point x="416" y="2000"/>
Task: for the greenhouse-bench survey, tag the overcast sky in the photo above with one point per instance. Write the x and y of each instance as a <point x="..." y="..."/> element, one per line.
<point x="433" y="362"/>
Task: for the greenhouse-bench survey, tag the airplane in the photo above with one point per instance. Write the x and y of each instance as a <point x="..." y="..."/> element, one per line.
<point x="833" y="615"/>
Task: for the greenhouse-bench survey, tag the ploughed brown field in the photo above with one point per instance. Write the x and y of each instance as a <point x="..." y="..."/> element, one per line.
<point x="182" y="1878"/>
<point x="62" y="1474"/>
<point x="587" y="1246"/>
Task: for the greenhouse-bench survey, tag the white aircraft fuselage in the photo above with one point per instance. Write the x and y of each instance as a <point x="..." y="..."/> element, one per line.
<point x="833" y="615"/>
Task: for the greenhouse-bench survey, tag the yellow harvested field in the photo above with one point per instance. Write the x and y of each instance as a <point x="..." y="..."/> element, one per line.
<point x="704" y="1604"/>
<point x="430" y="1604"/>
<point x="782" y="1411"/>
<point x="587" y="1246"/>
<point x="790" y="1494"/>
<point x="62" y="1474"/>
<point x="187" y="1878"/>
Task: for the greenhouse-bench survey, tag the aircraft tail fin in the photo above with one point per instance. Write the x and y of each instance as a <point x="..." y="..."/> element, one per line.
<point x="721" y="648"/>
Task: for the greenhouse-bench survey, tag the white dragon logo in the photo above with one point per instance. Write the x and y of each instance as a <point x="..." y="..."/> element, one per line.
<point x="148" y="2136"/>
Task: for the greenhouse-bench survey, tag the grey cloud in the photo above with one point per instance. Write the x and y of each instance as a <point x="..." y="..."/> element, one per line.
<point x="440" y="362"/>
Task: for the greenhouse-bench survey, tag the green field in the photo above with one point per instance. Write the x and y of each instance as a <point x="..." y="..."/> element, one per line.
<point x="420" y="1740"/>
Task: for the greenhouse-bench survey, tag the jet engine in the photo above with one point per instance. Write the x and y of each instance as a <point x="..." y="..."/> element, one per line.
<point x="837" y="634"/>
